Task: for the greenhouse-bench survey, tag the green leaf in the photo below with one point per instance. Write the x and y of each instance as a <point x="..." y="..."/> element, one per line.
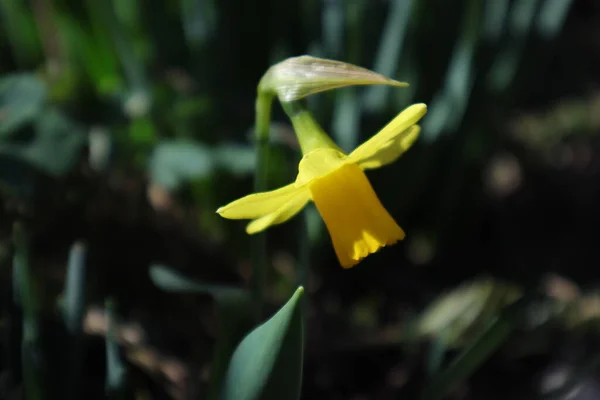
<point x="53" y="147"/>
<point x="73" y="315"/>
<point x="267" y="364"/>
<point x="452" y="315"/>
<point x="199" y="21"/>
<point x="236" y="159"/>
<point x="22" y="98"/>
<point x="21" y="30"/>
<point x="108" y="24"/>
<point x="174" y="163"/>
<point x="92" y="53"/>
<point x="116" y="373"/>
<point x="552" y="17"/>
<point x="170" y="280"/>
<point x="346" y="119"/>
<point x="479" y="350"/>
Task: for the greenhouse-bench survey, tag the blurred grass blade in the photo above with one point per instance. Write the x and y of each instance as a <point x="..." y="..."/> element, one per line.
<point x="453" y="316"/>
<point x="389" y="52"/>
<point x="170" y="280"/>
<point x="92" y="52"/>
<point x="116" y="377"/>
<point x="31" y="352"/>
<point x="506" y="63"/>
<point x="73" y="314"/>
<point x="333" y="27"/>
<point x="522" y="15"/>
<point x="17" y="21"/>
<point x="346" y="113"/>
<point x="346" y="119"/>
<point x="495" y="18"/>
<point x="435" y="356"/>
<point x="409" y="71"/>
<point x="267" y="364"/>
<point x="552" y="16"/>
<point x="199" y="20"/>
<point x="473" y="356"/>
<point x="104" y="15"/>
<point x="448" y="106"/>
<point x="74" y="300"/>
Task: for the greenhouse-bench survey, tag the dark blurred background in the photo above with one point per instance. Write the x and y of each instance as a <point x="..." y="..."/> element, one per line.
<point x="126" y="123"/>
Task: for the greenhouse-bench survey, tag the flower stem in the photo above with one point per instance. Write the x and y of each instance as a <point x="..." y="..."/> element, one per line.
<point x="308" y="131"/>
<point x="309" y="134"/>
<point x="259" y="247"/>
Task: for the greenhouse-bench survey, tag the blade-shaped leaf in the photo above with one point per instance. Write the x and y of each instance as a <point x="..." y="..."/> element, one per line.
<point x="22" y="98"/>
<point x="267" y="364"/>
<point x="53" y="147"/>
<point x="73" y="315"/>
<point x="172" y="281"/>
<point x="116" y="373"/>
<point x="174" y="163"/>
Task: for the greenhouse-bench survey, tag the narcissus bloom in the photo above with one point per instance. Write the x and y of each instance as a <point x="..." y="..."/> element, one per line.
<point x="355" y="218"/>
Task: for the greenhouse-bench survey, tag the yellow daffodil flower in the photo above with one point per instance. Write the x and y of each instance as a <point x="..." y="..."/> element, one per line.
<point x="355" y="218"/>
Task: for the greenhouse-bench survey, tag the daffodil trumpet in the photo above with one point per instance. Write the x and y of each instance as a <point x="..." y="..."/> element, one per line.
<point x="357" y="222"/>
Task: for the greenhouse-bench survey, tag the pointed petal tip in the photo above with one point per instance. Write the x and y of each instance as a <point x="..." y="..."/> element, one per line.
<point x="250" y="229"/>
<point x="394" y="82"/>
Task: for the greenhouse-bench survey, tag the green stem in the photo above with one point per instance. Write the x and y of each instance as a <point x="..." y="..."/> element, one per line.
<point x="303" y="266"/>
<point x="310" y="134"/>
<point x="258" y="281"/>
<point x="304" y="257"/>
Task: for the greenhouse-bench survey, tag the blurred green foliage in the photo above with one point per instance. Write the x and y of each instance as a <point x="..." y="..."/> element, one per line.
<point x="124" y="124"/>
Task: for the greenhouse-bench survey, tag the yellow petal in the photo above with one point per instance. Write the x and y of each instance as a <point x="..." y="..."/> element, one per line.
<point x="258" y="204"/>
<point x="392" y="150"/>
<point x="282" y="214"/>
<point x="355" y="218"/>
<point x="318" y="163"/>
<point x="410" y="116"/>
